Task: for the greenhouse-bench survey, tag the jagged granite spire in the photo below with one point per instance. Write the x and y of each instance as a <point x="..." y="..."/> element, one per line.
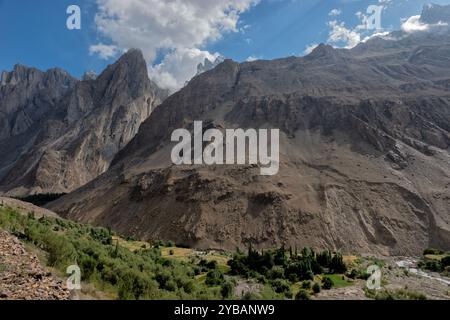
<point x="60" y="133"/>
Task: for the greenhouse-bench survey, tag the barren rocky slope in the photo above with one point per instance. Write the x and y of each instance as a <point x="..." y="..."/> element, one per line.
<point x="365" y="163"/>
<point x="22" y="277"/>
<point x="58" y="133"/>
<point x="26" y="207"/>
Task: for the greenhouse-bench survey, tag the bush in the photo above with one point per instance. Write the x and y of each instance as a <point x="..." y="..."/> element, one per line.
<point x="170" y="244"/>
<point x="433" y="265"/>
<point x="302" y="295"/>
<point x="445" y="262"/>
<point x="306" y="285"/>
<point x="316" y="288"/>
<point x="281" y="286"/>
<point x="276" y="272"/>
<point x="432" y="251"/>
<point x="327" y="283"/>
<point x="214" y="278"/>
<point x="61" y="252"/>
<point x="227" y="290"/>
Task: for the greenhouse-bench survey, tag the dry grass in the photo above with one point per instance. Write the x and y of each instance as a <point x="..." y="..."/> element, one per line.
<point x="131" y="245"/>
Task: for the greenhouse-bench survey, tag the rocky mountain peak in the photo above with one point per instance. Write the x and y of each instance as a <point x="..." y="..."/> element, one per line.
<point x="72" y="128"/>
<point x="89" y="75"/>
<point x="323" y="51"/>
<point x="129" y="73"/>
<point x="208" y="64"/>
<point x="20" y="73"/>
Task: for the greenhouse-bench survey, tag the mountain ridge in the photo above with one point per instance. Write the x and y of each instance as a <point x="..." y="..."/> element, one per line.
<point x="78" y="131"/>
<point x="364" y="156"/>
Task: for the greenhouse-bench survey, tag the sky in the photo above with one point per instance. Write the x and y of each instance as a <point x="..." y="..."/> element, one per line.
<point x="176" y="35"/>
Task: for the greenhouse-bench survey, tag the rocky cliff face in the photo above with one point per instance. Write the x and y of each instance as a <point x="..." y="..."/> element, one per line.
<point x="59" y="133"/>
<point x="365" y="164"/>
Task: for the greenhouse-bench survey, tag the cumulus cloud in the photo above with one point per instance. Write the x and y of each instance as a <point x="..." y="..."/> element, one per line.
<point x="180" y="27"/>
<point x="340" y="33"/>
<point x="414" y="24"/>
<point x="179" y="66"/>
<point x="104" y="51"/>
<point x="370" y="25"/>
<point x="335" y="12"/>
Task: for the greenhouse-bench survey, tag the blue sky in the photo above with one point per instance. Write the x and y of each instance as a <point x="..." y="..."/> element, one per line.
<point x="34" y="33"/>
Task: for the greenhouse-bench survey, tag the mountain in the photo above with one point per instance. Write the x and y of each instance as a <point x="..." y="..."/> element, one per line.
<point x="58" y="133"/>
<point x="435" y="14"/>
<point x="208" y="64"/>
<point x="364" y="155"/>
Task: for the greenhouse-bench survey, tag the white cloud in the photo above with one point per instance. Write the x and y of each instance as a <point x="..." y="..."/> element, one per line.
<point x="414" y="24"/>
<point x="181" y="27"/>
<point x="370" y="26"/>
<point x="253" y="58"/>
<point x="179" y="66"/>
<point x="340" y="33"/>
<point x="383" y="35"/>
<point x="335" y="12"/>
<point x="104" y="51"/>
<point x="310" y="48"/>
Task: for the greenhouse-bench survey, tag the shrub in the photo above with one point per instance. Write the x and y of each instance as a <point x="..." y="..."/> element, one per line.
<point x="102" y="235"/>
<point x="302" y="295"/>
<point x="432" y="251"/>
<point x="445" y="262"/>
<point x="227" y="289"/>
<point x="170" y="244"/>
<point x="276" y="272"/>
<point x="281" y="286"/>
<point x="61" y="252"/>
<point x="214" y="277"/>
<point x="433" y="265"/>
<point x="327" y="283"/>
<point x="316" y="288"/>
<point x="306" y="285"/>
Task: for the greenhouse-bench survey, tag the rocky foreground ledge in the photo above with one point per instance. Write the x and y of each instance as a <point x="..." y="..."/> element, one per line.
<point x="22" y="277"/>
